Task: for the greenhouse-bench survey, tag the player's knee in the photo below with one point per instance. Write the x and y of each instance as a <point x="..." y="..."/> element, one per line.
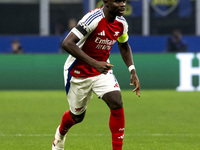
<point x="78" y="118"/>
<point x="113" y="100"/>
<point x="116" y="105"/>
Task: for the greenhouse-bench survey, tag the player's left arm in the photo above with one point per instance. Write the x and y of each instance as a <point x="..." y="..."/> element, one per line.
<point x="126" y="54"/>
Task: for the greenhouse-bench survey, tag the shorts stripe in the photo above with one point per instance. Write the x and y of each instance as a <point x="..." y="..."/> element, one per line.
<point x="67" y="86"/>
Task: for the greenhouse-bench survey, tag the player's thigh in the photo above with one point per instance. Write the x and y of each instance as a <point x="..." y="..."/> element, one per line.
<point x="79" y="95"/>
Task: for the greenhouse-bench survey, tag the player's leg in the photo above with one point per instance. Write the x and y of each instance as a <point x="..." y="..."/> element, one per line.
<point x="107" y="88"/>
<point x="113" y="100"/>
<point x="78" y="97"/>
<point x="68" y="120"/>
<point x="117" y="119"/>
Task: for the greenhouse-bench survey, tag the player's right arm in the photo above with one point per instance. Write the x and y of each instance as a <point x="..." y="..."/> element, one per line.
<point x="69" y="44"/>
<point x="72" y="43"/>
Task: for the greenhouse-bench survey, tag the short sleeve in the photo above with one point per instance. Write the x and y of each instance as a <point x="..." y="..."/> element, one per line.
<point x="124" y="37"/>
<point x="88" y="23"/>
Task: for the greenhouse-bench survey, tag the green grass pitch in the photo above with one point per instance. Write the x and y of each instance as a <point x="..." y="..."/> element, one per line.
<point x="158" y="120"/>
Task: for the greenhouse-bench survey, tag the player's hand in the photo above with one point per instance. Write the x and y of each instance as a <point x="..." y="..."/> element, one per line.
<point x="103" y="67"/>
<point x="135" y="81"/>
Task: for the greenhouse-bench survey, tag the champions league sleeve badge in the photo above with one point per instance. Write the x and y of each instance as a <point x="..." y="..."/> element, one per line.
<point x="164" y="7"/>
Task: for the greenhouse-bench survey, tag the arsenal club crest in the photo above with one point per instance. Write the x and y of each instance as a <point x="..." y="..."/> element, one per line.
<point x="164" y="7"/>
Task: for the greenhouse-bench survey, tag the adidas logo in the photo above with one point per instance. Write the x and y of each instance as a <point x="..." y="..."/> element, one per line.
<point x="102" y="33"/>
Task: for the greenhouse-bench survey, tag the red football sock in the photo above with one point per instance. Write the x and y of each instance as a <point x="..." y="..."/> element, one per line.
<point x="117" y="124"/>
<point x="66" y="123"/>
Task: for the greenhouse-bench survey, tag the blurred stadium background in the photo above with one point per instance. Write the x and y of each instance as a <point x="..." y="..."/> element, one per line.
<point x="41" y="25"/>
<point x="32" y="97"/>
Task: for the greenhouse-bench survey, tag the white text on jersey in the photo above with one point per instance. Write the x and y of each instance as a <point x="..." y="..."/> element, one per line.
<point x="104" y="44"/>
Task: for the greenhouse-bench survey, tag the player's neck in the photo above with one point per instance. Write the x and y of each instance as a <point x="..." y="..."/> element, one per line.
<point x="109" y="17"/>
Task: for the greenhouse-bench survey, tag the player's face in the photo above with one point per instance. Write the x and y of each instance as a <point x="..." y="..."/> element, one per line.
<point x="116" y="7"/>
